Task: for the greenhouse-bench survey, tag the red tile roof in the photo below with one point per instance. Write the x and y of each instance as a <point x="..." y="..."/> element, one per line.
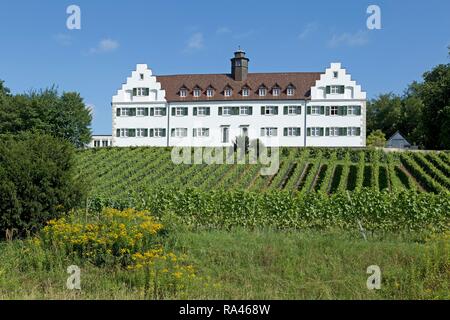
<point x="301" y="81"/>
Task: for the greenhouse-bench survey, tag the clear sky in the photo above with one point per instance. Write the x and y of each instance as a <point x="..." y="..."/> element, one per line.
<point x="172" y="37"/>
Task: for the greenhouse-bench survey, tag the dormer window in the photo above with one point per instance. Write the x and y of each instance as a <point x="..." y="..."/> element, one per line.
<point x="210" y="92"/>
<point x="197" y="93"/>
<point x="141" y="92"/>
<point x="228" y="92"/>
<point x="290" y="91"/>
<point x="262" y="91"/>
<point x="276" y="92"/>
<point x="245" y="92"/>
<point x="183" y="93"/>
<point x="141" y="76"/>
<point x="335" y="74"/>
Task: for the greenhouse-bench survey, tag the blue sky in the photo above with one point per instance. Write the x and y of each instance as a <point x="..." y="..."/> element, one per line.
<point x="173" y="37"/>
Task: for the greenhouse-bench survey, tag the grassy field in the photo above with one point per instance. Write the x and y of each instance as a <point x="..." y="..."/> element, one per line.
<point x="249" y="265"/>
<point x="118" y="171"/>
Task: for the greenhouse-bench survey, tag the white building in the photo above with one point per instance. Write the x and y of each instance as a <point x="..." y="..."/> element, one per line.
<point x="100" y="141"/>
<point x="285" y="109"/>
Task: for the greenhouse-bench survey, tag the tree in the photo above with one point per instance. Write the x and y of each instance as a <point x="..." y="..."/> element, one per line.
<point x="37" y="181"/>
<point x="45" y="111"/>
<point x="376" y="139"/>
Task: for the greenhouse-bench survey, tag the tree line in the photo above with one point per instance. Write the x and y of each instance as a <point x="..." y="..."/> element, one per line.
<point x="421" y="113"/>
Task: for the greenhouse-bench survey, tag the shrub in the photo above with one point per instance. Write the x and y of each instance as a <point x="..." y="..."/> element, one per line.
<point x="37" y="181"/>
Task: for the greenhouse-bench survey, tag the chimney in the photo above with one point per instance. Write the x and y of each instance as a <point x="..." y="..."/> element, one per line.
<point x="239" y="66"/>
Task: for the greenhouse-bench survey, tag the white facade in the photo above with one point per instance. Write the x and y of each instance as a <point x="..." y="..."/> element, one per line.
<point x="100" y="141"/>
<point x="333" y="116"/>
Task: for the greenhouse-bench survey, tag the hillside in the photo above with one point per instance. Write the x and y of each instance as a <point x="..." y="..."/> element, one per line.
<point x="117" y="171"/>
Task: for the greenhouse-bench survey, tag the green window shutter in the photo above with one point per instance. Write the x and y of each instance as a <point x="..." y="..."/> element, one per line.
<point x="308" y="110"/>
<point x="344" y="110"/>
<point x="322" y="109"/>
<point x="220" y="111"/>
<point x="194" y="132"/>
<point x="195" y="111"/>
<point x="285" y="132"/>
<point x="146" y="91"/>
<point x="152" y="132"/>
<point x="276" y="110"/>
<point x="118" y="133"/>
<point x="132" y="112"/>
<point x="152" y="111"/>
<point x="173" y="111"/>
<point x="298" y="110"/>
<point x="340" y="110"/>
<point x="235" y="111"/>
<point x="341" y="89"/>
<point x="341" y="131"/>
<point x="164" y="111"/>
<point x="321" y="132"/>
<point x="308" y="132"/>
<point x="328" y="110"/>
<point x="163" y="132"/>
<point x="328" y="89"/>
<point x="131" y="132"/>
<point x="263" y="110"/>
<point x="208" y="111"/>
<point x="358" y="131"/>
<point x="145" y="132"/>
<point x="118" y="112"/>
<point x="185" y="111"/>
<point x="299" y="131"/>
<point x="134" y="92"/>
<point x="327" y="131"/>
<point x="285" y="110"/>
<point x="250" y="110"/>
<point x="345" y="131"/>
<point x="358" y="110"/>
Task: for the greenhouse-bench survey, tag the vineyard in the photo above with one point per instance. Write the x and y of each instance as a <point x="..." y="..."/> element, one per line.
<point x="117" y="172"/>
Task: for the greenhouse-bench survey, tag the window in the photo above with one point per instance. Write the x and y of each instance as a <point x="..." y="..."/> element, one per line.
<point x="315" y="131"/>
<point x="123" y="132"/>
<point x="276" y="92"/>
<point x="262" y="91"/>
<point x="315" y="110"/>
<point x="179" y="111"/>
<point x="225" y="134"/>
<point x="141" y="76"/>
<point x="334" y="132"/>
<point x="203" y="111"/>
<point x="97" y="143"/>
<point x="354" y="110"/>
<point x="269" y="132"/>
<point x="353" y="131"/>
<point x="334" y="110"/>
<point x="183" y="93"/>
<point x="227" y="111"/>
<point x="197" y="93"/>
<point x="292" y="110"/>
<point x="140" y="92"/>
<point x="290" y="91"/>
<point x="244" y="131"/>
<point x="245" y="92"/>
<point x="335" y="89"/>
<point x="140" y="111"/>
<point x="269" y="110"/>
<point x="160" y="112"/>
<point x="124" y="112"/>
<point x="159" y="132"/>
<point x="292" y="132"/>
<point x="210" y="93"/>
<point x="245" y="111"/>
<point x="179" y="132"/>
<point x="228" y="92"/>
<point x="141" y="132"/>
<point x="335" y="74"/>
<point x="201" y="132"/>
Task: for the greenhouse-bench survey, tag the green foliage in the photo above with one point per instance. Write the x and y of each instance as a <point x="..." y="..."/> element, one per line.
<point x="36" y="181"/>
<point x="376" y="139"/>
<point x="376" y="211"/>
<point x="64" y="116"/>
